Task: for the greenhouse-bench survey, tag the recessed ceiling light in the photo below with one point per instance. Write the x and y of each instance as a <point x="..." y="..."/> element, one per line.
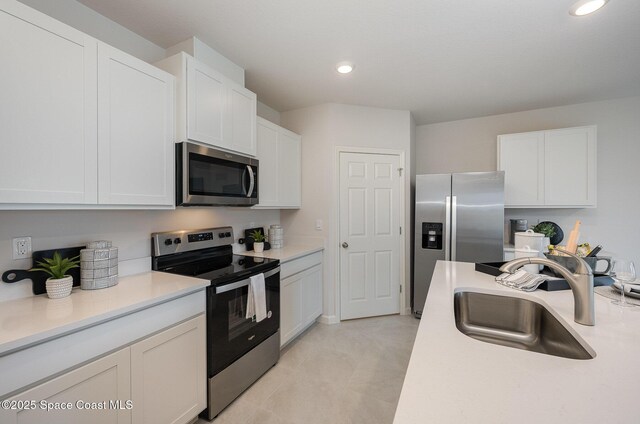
<point x="585" y="7"/>
<point x="344" y="67"/>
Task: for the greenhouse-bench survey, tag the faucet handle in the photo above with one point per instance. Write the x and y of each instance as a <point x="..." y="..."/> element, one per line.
<point x="583" y="267"/>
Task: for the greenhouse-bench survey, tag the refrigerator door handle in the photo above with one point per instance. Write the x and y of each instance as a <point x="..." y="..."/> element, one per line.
<point x="447" y="229"/>
<point x="454" y="224"/>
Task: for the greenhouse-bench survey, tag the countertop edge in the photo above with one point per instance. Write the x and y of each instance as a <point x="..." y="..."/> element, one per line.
<point x="283" y="255"/>
<point x="46" y="335"/>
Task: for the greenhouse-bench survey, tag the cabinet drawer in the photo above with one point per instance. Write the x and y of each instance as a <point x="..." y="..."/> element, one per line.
<point x="300" y="264"/>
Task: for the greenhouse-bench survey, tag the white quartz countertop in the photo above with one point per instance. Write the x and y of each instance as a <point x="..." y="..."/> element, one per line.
<point x="453" y="378"/>
<point x="288" y="252"/>
<point x="24" y="322"/>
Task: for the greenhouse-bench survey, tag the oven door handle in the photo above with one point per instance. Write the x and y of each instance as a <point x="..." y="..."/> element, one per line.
<point x="243" y="283"/>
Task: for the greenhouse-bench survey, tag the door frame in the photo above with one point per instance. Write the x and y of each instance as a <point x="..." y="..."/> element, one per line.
<point x="403" y="220"/>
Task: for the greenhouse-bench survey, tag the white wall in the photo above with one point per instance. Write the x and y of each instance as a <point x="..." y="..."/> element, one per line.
<point x="323" y="129"/>
<point x="130" y="231"/>
<point x="91" y="22"/>
<point x="470" y="145"/>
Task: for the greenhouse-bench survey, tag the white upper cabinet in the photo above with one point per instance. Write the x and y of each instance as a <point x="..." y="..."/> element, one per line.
<point x="268" y="161"/>
<point x="243" y="109"/>
<point x="211" y="108"/>
<point x="83" y="124"/>
<point x="47" y="110"/>
<point x="135" y="138"/>
<point x="135" y="131"/>
<point x="521" y="157"/>
<point x="279" y="153"/>
<point x="554" y="168"/>
<point x="570" y="167"/>
<point x="206" y="104"/>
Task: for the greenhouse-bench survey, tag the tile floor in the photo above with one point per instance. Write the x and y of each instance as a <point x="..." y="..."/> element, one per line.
<point x="348" y="373"/>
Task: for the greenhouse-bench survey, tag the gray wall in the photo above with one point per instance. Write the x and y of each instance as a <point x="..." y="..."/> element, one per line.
<point x="324" y="128"/>
<point x="470" y="145"/>
<point x="268" y="113"/>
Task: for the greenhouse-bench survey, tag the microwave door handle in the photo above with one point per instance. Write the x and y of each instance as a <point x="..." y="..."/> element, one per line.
<point x="252" y="181"/>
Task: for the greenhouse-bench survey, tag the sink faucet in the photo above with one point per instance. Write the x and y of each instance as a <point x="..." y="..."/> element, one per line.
<point x="580" y="281"/>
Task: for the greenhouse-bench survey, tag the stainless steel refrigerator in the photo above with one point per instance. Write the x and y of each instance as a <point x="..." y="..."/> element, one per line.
<point x="458" y="217"/>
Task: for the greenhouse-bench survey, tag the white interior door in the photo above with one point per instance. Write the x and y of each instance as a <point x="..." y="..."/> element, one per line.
<point x="370" y="240"/>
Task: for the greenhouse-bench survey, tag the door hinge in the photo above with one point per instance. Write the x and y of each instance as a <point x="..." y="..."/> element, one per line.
<point x="400" y="171"/>
<point x="400" y="289"/>
<point x="400" y="230"/>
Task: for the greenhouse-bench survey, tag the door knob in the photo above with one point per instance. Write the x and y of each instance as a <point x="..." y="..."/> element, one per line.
<point x="345" y="244"/>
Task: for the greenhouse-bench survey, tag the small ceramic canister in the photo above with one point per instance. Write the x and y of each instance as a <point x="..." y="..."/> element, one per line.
<point x="98" y="265"/>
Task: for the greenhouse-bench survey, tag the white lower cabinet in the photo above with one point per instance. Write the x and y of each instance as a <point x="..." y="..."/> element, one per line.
<point x="300" y="295"/>
<point x="168" y="374"/>
<point x="160" y="379"/>
<point x="95" y="393"/>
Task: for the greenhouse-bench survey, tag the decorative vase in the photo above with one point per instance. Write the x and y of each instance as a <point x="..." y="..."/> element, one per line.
<point x="258" y="246"/>
<point x="59" y="287"/>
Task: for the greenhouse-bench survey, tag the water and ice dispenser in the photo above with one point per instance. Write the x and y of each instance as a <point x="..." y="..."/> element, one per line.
<point x="432" y="235"/>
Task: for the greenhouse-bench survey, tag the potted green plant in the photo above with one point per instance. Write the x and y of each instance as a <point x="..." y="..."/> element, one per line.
<point x="258" y="240"/>
<point x="59" y="284"/>
<point x="547" y="229"/>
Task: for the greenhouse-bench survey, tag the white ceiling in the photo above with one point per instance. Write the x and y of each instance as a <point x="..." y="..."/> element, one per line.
<point x="441" y="59"/>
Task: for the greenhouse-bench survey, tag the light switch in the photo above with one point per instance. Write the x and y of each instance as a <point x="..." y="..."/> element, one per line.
<point x="318" y="225"/>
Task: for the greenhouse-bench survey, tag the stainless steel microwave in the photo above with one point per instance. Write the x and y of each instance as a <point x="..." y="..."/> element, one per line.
<point x="211" y="177"/>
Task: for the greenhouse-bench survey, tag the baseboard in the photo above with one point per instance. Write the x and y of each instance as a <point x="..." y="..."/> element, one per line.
<point x="329" y="319"/>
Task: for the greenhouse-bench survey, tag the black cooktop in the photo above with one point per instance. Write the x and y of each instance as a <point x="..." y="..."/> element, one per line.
<point x="216" y="265"/>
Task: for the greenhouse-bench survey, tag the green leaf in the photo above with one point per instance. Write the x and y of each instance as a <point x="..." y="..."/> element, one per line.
<point x="57" y="266"/>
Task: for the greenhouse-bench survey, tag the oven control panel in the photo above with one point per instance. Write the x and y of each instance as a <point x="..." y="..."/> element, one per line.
<point x="169" y="242"/>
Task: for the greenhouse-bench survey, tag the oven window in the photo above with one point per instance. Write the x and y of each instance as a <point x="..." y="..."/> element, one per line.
<point x="229" y="334"/>
<point x="238" y="324"/>
<point x="216" y="177"/>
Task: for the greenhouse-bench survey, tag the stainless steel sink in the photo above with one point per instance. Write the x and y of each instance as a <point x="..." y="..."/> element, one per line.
<point x="515" y="322"/>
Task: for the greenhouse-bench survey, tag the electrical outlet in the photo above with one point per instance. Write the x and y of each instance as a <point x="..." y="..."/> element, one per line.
<point x="21" y="247"/>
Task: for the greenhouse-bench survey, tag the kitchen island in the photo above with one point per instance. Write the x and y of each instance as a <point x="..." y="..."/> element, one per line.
<point x="453" y="378"/>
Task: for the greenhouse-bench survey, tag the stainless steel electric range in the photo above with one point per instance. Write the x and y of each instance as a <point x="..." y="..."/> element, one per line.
<point x="239" y="350"/>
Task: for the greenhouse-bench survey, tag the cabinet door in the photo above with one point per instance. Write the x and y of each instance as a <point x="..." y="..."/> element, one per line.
<point x="136" y="126"/>
<point x="521" y="157"/>
<point x="103" y="382"/>
<point x="206" y="105"/>
<point x="289" y="171"/>
<point x="312" y="294"/>
<point x="47" y="110"/>
<point x="570" y="167"/>
<point x="291" y="315"/>
<point x="268" y="158"/>
<point x="169" y="373"/>
<point x="242" y="119"/>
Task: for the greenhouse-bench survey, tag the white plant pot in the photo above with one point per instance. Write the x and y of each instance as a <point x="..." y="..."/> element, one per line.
<point x="546" y="241"/>
<point x="258" y="247"/>
<point x="59" y="287"/>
